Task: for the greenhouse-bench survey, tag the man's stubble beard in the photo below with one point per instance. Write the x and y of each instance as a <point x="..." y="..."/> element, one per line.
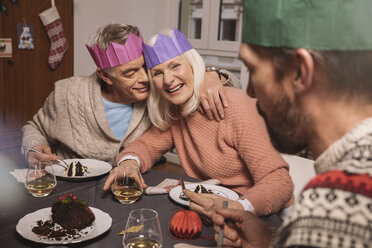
<point x="286" y="125"/>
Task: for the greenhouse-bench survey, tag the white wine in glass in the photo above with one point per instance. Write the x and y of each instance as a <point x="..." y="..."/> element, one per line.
<point x="143" y="243"/>
<point x="143" y="229"/>
<point x="126" y="189"/>
<point x="40" y="178"/>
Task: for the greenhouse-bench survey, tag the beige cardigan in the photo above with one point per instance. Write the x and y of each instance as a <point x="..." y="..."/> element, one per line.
<point x="73" y="122"/>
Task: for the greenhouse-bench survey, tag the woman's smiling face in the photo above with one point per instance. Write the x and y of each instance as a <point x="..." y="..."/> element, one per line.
<point x="174" y="79"/>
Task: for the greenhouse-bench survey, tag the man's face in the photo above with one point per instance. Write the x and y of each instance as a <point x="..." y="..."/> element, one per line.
<point x="129" y="83"/>
<point x="275" y="100"/>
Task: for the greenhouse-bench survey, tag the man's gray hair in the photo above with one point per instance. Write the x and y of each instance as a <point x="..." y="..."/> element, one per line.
<point x="114" y="32"/>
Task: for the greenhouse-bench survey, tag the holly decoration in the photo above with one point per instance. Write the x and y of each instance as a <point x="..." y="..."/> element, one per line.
<point x="69" y="198"/>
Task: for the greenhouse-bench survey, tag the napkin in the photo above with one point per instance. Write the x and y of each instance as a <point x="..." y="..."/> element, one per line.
<point x="20" y="175"/>
<point x="167" y="184"/>
<point x="184" y="245"/>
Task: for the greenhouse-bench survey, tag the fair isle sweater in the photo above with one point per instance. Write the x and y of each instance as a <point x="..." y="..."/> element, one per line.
<point x="237" y="151"/>
<point x="335" y="208"/>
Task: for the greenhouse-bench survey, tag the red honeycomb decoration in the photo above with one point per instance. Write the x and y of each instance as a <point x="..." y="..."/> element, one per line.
<point x="186" y="224"/>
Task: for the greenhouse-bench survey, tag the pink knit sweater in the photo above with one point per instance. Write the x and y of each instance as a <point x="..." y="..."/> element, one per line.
<point x="237" y="151"/>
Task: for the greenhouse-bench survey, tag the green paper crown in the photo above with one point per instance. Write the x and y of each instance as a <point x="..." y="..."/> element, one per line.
<point x="313" y="24"/>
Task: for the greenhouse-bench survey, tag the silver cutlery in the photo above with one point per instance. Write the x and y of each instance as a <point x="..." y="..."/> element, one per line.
<point x="60" y="162"/>
<point x="209" y="181"/>
<point x="220" y="232"/>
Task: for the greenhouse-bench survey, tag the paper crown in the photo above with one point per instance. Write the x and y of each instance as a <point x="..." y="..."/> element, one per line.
<point x="317" y="24"/>
<point x="165" y="48"/>
<point x="117" y="54"/>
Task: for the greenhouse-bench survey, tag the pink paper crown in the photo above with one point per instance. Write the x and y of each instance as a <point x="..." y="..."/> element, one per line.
<point x="117" y="54"/>
<point x="166" y="48"/>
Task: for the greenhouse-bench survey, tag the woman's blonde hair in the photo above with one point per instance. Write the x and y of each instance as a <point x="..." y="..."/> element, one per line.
<point x="161" y="111"/>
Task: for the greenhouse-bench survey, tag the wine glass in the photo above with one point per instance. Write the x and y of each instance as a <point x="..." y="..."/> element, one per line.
<point x="127" y="186"/>
<point x="40" y="178"/>
<point x="143" y="229"/>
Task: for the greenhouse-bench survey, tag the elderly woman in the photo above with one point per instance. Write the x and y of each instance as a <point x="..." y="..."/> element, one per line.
<point x="236" y="151"/>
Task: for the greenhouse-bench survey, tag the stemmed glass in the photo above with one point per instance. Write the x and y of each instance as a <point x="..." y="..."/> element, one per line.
<point x="127" y="188"/>
<point x="40" y="178"/>
<point x="143" y="229"/>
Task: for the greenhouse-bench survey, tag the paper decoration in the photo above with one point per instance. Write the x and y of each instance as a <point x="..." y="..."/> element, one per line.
<point x="165" y="48"/>
<point x="25" y="36"/>
<point x="132" y="229"/>
<point x="5" y="48"/>
<point x="186" y="224"/>
<point x="117" y="54"/>
<point x="3" y="8"/>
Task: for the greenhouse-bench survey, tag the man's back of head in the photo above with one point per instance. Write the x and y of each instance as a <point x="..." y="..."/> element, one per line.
<point x="337" y="33"/>
<point x="321" y="52"/>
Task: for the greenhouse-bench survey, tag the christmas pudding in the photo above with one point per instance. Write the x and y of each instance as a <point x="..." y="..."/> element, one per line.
<point x="76" y="169"/>
<point x="72" y="217"/>
<point x="72" y="213"/>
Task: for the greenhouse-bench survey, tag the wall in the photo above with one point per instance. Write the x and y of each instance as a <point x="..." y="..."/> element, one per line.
<point x="149" y="15"/>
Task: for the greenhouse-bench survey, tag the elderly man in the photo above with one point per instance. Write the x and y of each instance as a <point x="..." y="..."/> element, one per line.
<point x="95" y="116"/>
<point x="310" y="66"/>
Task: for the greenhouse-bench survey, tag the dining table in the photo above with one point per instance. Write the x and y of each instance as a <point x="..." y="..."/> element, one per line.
<point x="16" y="202"/>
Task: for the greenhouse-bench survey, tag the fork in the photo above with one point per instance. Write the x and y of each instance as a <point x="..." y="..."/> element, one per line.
<point x="60" y="162"/>
<point x="64" y="164"/>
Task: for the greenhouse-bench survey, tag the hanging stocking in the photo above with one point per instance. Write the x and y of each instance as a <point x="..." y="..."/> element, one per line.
<point x="58" y="43"/>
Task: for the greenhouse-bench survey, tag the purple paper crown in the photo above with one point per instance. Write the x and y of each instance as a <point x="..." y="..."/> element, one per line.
<point x="165" y="48"/>
<point x="117" y="54"/>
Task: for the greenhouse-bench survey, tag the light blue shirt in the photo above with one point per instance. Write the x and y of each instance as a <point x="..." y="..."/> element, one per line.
<point x="118" y="116"/>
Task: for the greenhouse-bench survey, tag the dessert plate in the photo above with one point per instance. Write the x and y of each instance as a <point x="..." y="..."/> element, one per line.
<point x="95" y="168"/>
<point x="100" y="225"/>
<point x="174" y="193"/>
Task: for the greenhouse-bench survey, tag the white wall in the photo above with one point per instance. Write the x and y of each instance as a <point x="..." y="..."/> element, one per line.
<point x="150" y="16"/>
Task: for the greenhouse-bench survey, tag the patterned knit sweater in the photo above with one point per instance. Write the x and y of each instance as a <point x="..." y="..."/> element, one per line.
<point x="237" y="151"/>
<point x="335" y="208"/>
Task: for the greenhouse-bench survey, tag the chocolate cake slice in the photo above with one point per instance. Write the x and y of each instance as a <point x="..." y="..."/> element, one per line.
<point x="72" y="213"/>
<point x="201" y="189"/>
<point x="76" y="169"/>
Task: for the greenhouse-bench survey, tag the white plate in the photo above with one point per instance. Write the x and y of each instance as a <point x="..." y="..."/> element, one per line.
<point x="218" y="190"/>
<point x="95" y="167"/>
<point x="24" y="227"/>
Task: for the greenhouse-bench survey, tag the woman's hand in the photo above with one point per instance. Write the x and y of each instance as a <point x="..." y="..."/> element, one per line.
<point x="45" y="154"/>
<point x="242" y="228"/>
<point x="212" y="97"/>
<point x="130" y="168"/>
<point x="206" y="204"/>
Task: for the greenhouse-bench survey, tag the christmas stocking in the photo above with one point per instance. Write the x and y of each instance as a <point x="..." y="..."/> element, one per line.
<point x="53" y="26"/>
